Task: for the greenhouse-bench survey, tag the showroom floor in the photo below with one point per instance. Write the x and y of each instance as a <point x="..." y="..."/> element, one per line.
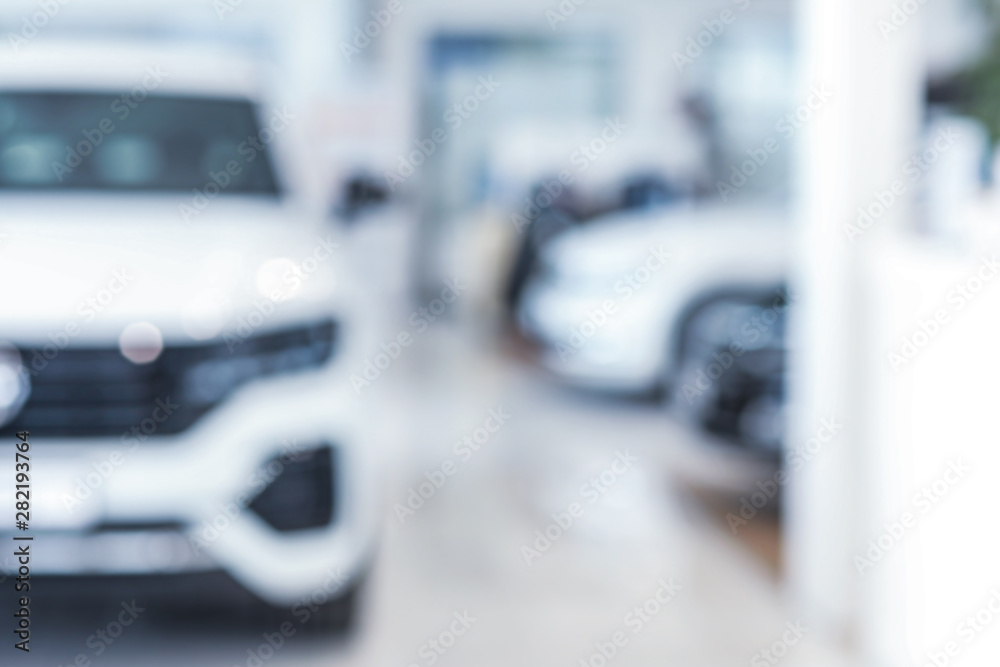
<point x="647" y="564"/>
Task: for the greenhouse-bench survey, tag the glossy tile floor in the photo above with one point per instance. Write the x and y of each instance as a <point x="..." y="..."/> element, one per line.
<point x="646" y="574"/>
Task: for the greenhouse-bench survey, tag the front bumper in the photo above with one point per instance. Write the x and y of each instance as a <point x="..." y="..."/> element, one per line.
<point x="180" y="503"/>
<point x="624" y="354"/>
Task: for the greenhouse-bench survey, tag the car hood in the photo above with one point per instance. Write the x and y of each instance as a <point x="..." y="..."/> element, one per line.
<point x="691" y="236"/>
<point x="94" y="265"/>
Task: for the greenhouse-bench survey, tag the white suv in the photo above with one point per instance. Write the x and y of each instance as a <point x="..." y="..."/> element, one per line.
<point x="689" y="299"/>
<point x="172" y="325"/>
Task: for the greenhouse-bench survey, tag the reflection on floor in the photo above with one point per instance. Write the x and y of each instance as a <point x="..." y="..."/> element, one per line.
<point x="564" y="536"/>
<point x="590" y="580"/>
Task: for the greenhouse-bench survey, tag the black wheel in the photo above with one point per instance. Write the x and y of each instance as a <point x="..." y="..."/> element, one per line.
<point x="340" y="615"/>
<point x="315" y="616"/>
<point x="730" y="371"/>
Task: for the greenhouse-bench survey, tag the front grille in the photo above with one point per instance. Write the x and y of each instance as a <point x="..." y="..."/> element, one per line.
<point x="98" y="392"/>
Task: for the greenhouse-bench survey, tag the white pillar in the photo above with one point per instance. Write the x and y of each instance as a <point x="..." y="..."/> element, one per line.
<point x="851" y="149"/>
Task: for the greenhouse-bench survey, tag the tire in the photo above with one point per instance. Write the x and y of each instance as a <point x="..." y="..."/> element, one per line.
<point x="338" y="616"/>
<point x="335" y="618"/>
<point x="738" y="398"/>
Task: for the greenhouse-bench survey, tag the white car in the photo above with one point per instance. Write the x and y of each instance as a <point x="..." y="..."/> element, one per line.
<point x="173" y="326"/>
<point x="641" y="302"/>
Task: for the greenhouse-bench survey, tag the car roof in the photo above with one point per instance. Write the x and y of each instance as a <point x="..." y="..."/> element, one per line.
<point x="120" y="66"/>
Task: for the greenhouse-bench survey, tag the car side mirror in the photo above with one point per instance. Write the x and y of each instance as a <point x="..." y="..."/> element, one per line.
<point x="361" y="193"/>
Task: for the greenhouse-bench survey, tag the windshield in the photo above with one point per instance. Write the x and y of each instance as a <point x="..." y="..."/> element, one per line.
<point x="114" y="142"/>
